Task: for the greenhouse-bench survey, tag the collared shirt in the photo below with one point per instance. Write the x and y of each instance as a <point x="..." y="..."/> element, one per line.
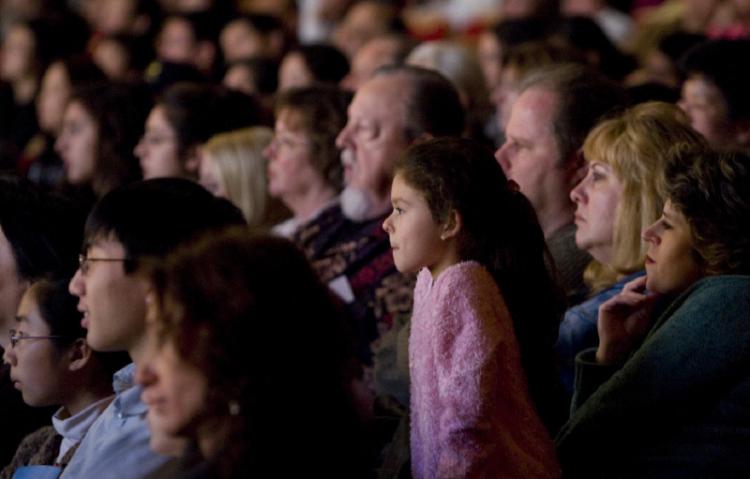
<point x="74" y="428"/>
<point x="117" y="444"/>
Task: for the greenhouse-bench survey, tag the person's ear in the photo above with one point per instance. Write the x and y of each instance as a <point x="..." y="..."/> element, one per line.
<point x="193" y="160"/>
<point x="79" y="355"/>
<point x="452" y="226"/>
<point x="576" y="168"/>
<point x="742" y="132"/>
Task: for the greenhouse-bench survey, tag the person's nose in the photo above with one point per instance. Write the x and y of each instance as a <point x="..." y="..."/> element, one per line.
<point x="578" y="193"/>
<point x="9" y="356"/>
<point x="501" y="155"/>
<point x="650" y="235"/>
<point x="388" y="224"/>
<point x="77" y="285"/>
<point x="342" y="139"/>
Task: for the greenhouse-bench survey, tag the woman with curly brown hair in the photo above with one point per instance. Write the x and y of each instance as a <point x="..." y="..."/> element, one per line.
<point x="253" y="363"/>
<point x="677" y="403"/>
<point x="623" y="193"/>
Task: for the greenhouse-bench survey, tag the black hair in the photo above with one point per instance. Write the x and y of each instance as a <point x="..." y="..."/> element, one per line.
<point x="586" y="36"/>
<point x="81" y="70"/>
<point x="41" y="229"/>
<point x="717" y="61"/>
<point x="119" y="111"/>
<point x="264" y="71"/>
<point x="198" y="111"/>
<point x="326" y="62"/>
<point x="58" y="308"/>
<point x="516" y="31"/>
<point x="150" y="218"/>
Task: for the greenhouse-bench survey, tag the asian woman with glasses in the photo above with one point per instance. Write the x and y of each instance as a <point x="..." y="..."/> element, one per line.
<point x="51" y="364"/>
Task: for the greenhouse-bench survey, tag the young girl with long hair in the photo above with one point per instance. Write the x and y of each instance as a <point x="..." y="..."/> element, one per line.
<point x="482" y="284"/>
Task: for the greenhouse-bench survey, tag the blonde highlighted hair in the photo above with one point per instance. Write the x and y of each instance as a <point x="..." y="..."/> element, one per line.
<point x="241" y="169"/>
<point x="637" y="144"/>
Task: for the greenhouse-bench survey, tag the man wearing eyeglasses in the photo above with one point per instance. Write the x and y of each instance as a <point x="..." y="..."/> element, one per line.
<point x="142" y="221"/>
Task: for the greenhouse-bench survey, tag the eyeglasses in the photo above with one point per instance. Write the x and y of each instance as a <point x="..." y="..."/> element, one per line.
<point x="84" y="262"/>
<point x="15" y="337"/>
<point x="281" y="141"/>
<point x="156" y="139"/>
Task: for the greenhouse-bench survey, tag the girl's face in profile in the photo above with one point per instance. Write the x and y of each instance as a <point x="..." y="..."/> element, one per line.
<point x="158" y="150"/>
<point x="671" y="266"/>
<point x="77" y="144"/>
<point x="417" y="240"/>
<point x="175" y="392"/>
<point x="37" y="367"/>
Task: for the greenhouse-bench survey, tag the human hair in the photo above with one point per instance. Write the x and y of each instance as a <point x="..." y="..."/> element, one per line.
<point x="584" y="97"/>
<point x="58" y="308"/>
<point x="500" y="230"/>
<point x="264" y="72"/>
<point x="432" y="105"/>
<point x="241" y="168"/>
<point x="150" y="218"/>
<point x="224" y="303"/>
<point x="197" y="111"/>
<point x="637" y="145"/>
<point x="326" y="62"/>
<point x="716" y="61"/>
<point x="119" y="111"/>
<point x="43" y="231"/>
<point x="320" y="112"/>
<point x="80" y="70"/>
<point x="712" y="191"/>
<point x="517" y="31"/>
<point x="459" y="65"/>
<point x="584" y="35"/>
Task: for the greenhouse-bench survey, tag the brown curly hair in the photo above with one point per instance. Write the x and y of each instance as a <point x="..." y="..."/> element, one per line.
<point x="250" y="314"/>
<point x="712" y="191"/>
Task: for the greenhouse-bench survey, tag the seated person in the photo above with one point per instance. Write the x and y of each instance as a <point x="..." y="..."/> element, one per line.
<point x="622" y="192"/>
<point x="142" y="221"/>
<point x="677" y="403"/>
<point x="304" y="170"/>
<point x="715" y="94"/>
<point x="218" y="376"/>
<point x="51" y="364"/>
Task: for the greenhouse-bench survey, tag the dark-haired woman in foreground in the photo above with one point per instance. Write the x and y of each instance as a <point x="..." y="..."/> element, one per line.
<point x="252" y="363"/>
<point x="679" y="406"/>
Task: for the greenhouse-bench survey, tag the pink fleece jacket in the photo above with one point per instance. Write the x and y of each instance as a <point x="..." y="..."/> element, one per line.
<point x="471" y="413"/>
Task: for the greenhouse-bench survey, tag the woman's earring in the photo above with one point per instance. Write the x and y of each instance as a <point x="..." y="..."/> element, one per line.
<point x="234" y="408"/>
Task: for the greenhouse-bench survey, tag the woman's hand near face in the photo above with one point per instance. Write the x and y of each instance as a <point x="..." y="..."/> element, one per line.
<point x="623" y="321"/>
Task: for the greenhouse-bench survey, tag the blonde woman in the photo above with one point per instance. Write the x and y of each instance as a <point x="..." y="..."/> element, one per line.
<point x="232" y="167"/>
<point x="623" y="192"/>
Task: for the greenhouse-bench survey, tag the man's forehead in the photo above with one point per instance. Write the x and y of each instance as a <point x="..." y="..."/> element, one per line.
<point x="379" y="96"/>
<point x="107" y="242"/>
<point x="532" y="113"/>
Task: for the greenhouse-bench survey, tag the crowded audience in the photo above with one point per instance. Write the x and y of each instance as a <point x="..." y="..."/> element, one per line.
<point x="271" y="238"/>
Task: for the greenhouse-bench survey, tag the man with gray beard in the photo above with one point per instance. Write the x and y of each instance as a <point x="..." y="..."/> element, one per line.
<point x="397" y="107"/>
